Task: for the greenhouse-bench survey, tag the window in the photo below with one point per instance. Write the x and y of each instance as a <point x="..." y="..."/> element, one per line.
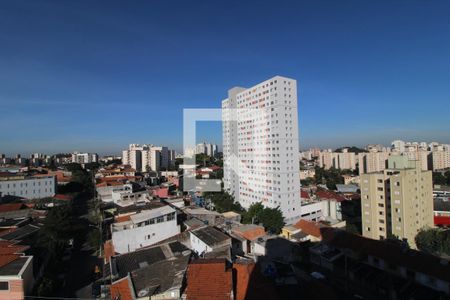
<point x="170" y="217"/>
<point x="160" y="219"/>
<point x="4" y="285"/>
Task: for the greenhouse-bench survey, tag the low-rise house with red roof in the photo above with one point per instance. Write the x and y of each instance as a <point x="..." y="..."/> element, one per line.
<point x="14" y="210"/>
<point x="219" y="280"/>
<point x="248" y="234"/>
<point x="16" y="271"/>
<point x="380" y="269"/>
<point x="209" y="279"/>
<point x="311" y="229"/>
<point x="116" y="171"/>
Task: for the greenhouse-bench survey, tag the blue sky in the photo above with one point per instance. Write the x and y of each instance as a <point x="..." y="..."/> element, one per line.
<point x="97" y="75"/>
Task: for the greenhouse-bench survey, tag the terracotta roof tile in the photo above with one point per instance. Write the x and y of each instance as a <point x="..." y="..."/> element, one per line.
<point x="304" y="194"/>
<point x="123" y="218"/>
<point x="11" y="247"/>
<point x="11" y="207"/>
<point x="251" y="284"/>
<point x="209" y="279"/>
<point x="7" y="258"/>
<point x="108" y="248"/>
<point x="310" y="228"/>
<point x="122" y="290"/>
<point x="63" y="197"/>
<point x="329" y="195"/>
<point x="250" y="232"/>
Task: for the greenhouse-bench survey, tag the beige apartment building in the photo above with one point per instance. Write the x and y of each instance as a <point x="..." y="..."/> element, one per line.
<point x="372" y="161"/>
<point x="398" y="201"/>
<point x="340" y="160"/>
<point x="440" y="159"/>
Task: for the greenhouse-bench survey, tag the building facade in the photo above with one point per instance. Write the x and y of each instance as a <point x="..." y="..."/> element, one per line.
<point x="339" y="160"/>
<point x="29" y="187"/>
<point x="84" y="158"/>
<point x="145" y="158"/>
<point x="260" y="141"/>
<point x="144" y="229"/>
<point x="372" y="161"/>
<point x="397" y="202"/>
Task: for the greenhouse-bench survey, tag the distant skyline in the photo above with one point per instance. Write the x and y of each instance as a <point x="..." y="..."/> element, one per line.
<point x="95" y="76"/>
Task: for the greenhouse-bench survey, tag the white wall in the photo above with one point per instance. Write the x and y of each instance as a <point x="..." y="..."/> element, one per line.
<point x="311" y="211"/>
<point x="30" y="188"/>
<point x="331" y="209"/>
<point x="131" y="239"/>
<point x="198" y="245"/>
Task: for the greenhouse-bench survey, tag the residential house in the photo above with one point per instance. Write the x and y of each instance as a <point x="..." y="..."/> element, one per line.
<point x="156" y="272"/>
<point x="143" y="228"/>
<point x="376" y="269"/>
<point x="16" y="271"/>
<point x="209" y="239"/>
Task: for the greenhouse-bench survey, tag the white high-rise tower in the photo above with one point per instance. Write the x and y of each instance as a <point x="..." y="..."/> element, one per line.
<point x="260" y="145"/>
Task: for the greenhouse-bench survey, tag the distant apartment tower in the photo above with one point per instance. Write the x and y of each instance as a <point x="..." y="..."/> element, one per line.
<point x="260" y="145"/>
<point x="398" y="146"/>
<point x="440" y="157"/>
<point x="372" y="161"/>
<point x="144" y="158"/>
<point x="340" y="160"/>
<point x="84" y="158"/>
<point x="206" y="148"/>
<point x="397" y="202"/>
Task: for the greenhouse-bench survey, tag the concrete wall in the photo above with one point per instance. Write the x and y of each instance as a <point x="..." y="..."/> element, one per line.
<point x="131" y="239"/>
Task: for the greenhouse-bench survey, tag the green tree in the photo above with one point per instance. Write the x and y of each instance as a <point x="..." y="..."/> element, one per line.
<point x="352" y="228"/>
<point x="46" y="287"/>
<point x="253" y="212"/>
<point x="440" y="179"/>
<point x="223" y="202"/>
<point x="307" y="181"/>
<point x="272" y="219"/>
<point x="58" y="229"/>
<point x="94" y="238"/>
<point x="71" y="167"/>
<point x="329" y="177"/>
<point x="433" y="240"/>
<point x="447" y="178"/>
<point x="203" y="159"/>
